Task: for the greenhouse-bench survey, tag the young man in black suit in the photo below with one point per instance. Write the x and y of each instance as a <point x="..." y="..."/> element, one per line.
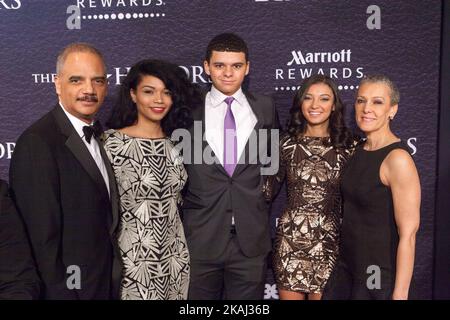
<point x="226" y="219"/>
<point x="64" y="186"/>
<point x="18" y="277"/>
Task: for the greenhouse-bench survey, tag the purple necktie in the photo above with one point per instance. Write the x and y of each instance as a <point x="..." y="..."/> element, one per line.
<point x="229" y="139"/>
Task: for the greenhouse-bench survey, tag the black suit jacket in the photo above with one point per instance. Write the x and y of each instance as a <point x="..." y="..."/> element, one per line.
<point x="212" y="196"/>
<point x="68" y="213"/>
<point x="18" y="277"/>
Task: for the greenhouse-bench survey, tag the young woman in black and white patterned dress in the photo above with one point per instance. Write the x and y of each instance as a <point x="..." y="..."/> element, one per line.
<point x="154" y="99"/>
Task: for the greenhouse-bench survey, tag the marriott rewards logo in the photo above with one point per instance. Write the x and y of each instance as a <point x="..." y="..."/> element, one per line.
<point x="302" y="64"/>
<point x="84" y="12"/>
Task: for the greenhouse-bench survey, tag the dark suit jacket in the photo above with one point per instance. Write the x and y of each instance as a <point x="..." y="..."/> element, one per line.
<point x="18" y="277"/>
<point x="69" y="216"/>
<point x="212" y="196"/>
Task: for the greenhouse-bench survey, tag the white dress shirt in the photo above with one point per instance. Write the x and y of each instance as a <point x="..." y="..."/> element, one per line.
<point x="93" y="147"/>
<point x="215" y="111"/>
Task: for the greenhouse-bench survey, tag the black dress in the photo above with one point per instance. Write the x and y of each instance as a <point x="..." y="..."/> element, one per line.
<point x="369" y="239"/>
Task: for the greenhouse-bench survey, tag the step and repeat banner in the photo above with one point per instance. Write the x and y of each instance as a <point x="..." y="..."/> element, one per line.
<point x="288" y="40"/>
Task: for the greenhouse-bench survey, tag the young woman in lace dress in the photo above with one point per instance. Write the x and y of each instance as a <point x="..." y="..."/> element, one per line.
<point x="313" y="152"/>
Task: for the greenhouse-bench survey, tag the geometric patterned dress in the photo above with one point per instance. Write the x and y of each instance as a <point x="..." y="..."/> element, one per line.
<point x="307" y="234"/>
<point x="150" y="177"/>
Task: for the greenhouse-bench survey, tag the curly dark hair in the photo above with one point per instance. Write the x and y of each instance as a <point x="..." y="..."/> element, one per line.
<point x="226" y="42"/>
<point x="185" y="96"/>
<point x="341" y="136"/>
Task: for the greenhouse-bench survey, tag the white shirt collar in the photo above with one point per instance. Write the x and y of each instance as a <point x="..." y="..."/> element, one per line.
<point x="218" y="97"/>
<point x="77" y="123"/>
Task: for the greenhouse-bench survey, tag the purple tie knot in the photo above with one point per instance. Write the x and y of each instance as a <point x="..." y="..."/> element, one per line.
<point x="229" y="100"/>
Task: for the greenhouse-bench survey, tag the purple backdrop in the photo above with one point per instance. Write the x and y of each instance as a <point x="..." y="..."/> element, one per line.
<point x="286" y="39"/>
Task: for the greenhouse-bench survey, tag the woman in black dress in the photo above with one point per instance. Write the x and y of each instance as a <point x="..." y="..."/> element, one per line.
<point x="381" y="192"/>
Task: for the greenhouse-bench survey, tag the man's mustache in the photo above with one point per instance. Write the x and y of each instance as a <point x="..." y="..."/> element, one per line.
<point x="88" y="98"/>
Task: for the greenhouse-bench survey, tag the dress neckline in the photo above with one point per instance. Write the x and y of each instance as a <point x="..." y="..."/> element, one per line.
<point x="310" y="139"/>
<point x="379" y="149"/>
<point x="302" y="136"/>
<point x="140" y="138"/>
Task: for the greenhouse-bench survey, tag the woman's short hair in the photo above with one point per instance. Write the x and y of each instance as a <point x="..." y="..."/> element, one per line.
<point x="376" y="78"/>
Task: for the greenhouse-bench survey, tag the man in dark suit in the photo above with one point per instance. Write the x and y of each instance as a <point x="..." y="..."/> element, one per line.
<point x="18" y="277"/>
<point x="64" y="186"/>
<point x="225" y="216"/>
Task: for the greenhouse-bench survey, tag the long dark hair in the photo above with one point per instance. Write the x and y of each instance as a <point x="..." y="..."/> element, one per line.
<point x="340" y="135"/>
<point x="185" y="96"/>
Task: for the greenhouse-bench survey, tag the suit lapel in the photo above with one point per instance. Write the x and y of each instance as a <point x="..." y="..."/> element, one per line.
<point x="199" y="115"/>
<point x="112" y="189"/>
<point x="257" y="111"/>
<point x="244" y="159"/>
<point x="79" y="149"/>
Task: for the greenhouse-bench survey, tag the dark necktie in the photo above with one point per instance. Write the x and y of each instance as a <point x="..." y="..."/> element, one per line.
<point x="93" y="130"/>
<point x="230" y="140"/>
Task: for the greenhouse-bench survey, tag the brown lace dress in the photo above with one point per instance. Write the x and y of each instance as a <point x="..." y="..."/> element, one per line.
<point x="307" y="237"/>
